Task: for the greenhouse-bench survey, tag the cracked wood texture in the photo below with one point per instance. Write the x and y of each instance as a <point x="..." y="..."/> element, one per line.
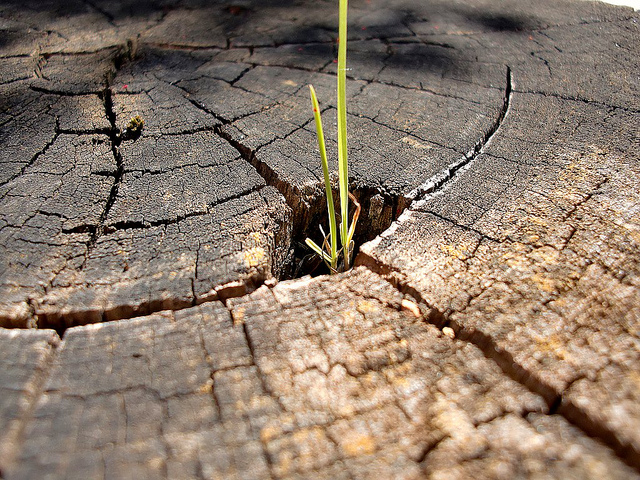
<point x="490" y="332"/>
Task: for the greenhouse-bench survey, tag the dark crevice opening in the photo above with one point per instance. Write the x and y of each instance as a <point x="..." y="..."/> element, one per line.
<point x="126" y="53"/>
<point x="379" y="209"/>
<point x="116" y="139"/>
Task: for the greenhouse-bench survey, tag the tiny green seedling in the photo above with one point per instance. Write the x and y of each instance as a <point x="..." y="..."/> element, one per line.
<point x="134" y="128"/>
<point x="136" y="123"/>
<point x="329" y="251"/>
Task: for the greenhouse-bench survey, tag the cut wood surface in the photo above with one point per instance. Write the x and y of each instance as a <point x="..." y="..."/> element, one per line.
<point x="490" y="328"/>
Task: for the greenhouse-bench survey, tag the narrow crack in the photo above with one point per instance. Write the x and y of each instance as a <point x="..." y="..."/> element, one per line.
<point x="15" y="80"/>
<point x="202" y="107"/>
<point x="578" y="416"/>
<point x="240" y="75"/>
<point x="124" y="54"/>
<point x="595" y="191"/>
<point x="556" y="402"/>
<point x="110" y="46"/>
<point x="402" y="131"/>
<point x="545" y="61"/>
<point x="263" y="385"/>
<point x="214" y="396"/>
<point x="449" y="175"/>
<point x="88" y="131"/>
<point x="431" y="446"/>
<point x="37" y="68"/>
<point x="64" y="93"/>
<point x="579" y="99"/>
<point x="129" y="225"/>
<point x="466" y="228"/>
<point x="116" y="139"/>
<point x="191" y="48"/>
<point x="269" y="175"/>
<point x="33" y="159"/>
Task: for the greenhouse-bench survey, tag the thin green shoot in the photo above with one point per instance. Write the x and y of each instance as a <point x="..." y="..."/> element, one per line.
<point x="329" y="251"/>
<point x="343" y="166"/>
<point x="332" y="258"/>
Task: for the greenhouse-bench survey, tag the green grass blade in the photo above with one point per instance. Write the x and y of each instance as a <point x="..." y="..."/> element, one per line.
<point x="343" y="166"/>
<point x="321" y="253"/>
<point x="333" y="231"/>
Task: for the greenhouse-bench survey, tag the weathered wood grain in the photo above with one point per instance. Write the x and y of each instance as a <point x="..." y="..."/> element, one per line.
<point x="25" y="362"/>
<point x="313" y="377"/>
<point x="531" y="251"/>
<point x="491" y="332"/>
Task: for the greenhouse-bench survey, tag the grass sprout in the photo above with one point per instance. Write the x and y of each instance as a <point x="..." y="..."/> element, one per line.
<point x="337" y="259"/>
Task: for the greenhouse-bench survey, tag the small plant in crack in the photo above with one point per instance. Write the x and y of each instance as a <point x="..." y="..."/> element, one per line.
<point x="134" y="128"/>
<point x="337" y="259"/>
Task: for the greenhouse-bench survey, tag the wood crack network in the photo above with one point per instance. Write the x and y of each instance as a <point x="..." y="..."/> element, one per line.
<point x="150" y="322"/>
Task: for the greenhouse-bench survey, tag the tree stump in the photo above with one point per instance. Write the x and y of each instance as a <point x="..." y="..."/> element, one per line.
<point x="159" y="174"/>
